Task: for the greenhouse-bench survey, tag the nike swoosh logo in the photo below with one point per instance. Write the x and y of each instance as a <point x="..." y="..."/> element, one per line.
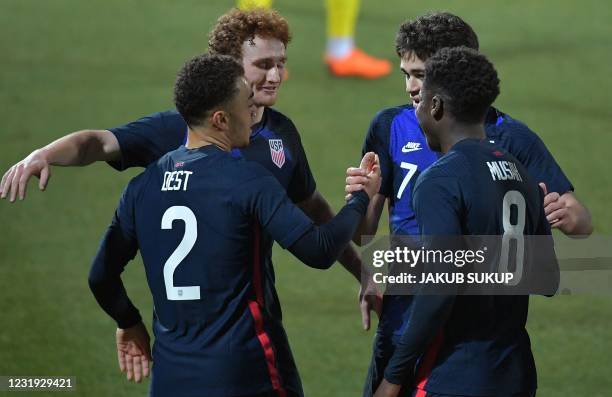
<point x="411" y="147"/>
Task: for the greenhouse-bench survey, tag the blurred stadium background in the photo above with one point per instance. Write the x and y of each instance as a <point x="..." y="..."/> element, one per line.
<point x="68" y="65"/>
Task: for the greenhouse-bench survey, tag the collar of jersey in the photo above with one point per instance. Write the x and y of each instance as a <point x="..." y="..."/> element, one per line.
<point x="206" y="149"/>
<point x="467" y="141"/>
<point x="258" y="127"/>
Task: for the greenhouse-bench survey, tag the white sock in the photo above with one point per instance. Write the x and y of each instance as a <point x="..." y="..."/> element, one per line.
<point x="339" y="47"/>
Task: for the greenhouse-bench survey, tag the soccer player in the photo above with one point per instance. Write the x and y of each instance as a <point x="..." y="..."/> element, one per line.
<point x="197" y="215"/>
<point x="258" y="39"/>
<point x="468" y="345"/>
<point x="394" y="132"/>
<point x="396" y="137"/>
<point x="342" y="57"/>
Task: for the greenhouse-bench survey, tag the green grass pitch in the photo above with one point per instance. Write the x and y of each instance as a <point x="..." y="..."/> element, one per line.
<point x="68" y="65"/>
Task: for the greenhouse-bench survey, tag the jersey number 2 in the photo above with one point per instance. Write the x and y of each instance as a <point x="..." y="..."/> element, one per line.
<point x="189" y="238"/>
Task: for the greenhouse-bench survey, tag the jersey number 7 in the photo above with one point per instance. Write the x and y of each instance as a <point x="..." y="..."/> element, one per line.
<point x="412" y="168"/>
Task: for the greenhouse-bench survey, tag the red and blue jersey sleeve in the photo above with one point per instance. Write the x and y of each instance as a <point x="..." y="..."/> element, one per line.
<point x="264" y="197"/>
<point x="119" y="246"/>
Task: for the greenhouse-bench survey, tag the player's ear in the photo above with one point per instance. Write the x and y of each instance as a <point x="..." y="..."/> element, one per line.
<point x="437" y="107"/>
<point x="220" y="119"/>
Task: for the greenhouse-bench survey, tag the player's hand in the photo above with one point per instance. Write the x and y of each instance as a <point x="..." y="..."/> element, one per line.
<point x="370" y="299"/>
<point x="134" y="352"/>
<point x="367" y="177"/>
<point x="387" y="389"/>
<point x="15" y="180"/>
<point x="355" y="180"/>
<point x="555" y="209"/>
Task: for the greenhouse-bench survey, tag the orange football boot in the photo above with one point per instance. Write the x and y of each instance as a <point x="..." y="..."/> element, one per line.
<point x="358" y="64"/>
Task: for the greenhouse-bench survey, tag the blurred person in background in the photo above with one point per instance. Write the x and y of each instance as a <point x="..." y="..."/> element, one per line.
<point x="342" y="57"/>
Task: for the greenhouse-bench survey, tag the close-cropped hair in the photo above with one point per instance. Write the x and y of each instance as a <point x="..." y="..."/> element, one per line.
<point x="237" y="26"/>
<point x="466" y="79"/>
<point x="429" y="33"/>
<point x="203" y="83"/>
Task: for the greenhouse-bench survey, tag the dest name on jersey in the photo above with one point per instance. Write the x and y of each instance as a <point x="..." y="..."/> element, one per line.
<point x="174" y="180"/>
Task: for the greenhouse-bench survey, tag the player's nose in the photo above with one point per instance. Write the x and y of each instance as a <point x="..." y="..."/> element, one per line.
<point x="274" y="75"/>
<point x="412" y="86"/>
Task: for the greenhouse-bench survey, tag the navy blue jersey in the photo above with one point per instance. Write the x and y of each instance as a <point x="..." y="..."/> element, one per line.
<point x="472" y="345"/>
<point x="275" y="144"/>
<point x="197" y="217"/>
<point x="395" y="135"/>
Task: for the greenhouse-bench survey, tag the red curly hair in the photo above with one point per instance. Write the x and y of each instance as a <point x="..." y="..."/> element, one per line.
<point x="237" y="26"/>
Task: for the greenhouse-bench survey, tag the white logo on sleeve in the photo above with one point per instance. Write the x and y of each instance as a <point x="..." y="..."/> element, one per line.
<point x="411" y="147"/>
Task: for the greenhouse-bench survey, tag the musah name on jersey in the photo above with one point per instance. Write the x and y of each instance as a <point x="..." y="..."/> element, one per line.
<point x="504" y="171"/>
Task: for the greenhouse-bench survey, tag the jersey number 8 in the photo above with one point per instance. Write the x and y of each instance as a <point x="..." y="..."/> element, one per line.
<point x="513" y="232"/>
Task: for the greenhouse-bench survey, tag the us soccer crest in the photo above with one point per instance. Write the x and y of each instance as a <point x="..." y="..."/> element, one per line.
<point x="277" y="152"/>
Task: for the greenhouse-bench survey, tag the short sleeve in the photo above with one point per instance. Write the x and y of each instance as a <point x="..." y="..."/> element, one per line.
<point x="377" y="141"/>
<point x="542" y="167"/>
<point x="264" y="198"/>
<point x="437" y="205"/>
<point x="530" y="150"/>
<point x="147" y="139"/>
<point x="302" y="184"/>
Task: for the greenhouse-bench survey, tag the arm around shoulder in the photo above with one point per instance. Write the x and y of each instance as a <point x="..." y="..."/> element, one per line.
<point x="77" y="149"/>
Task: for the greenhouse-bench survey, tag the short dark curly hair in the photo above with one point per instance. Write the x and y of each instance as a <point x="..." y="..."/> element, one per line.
<point x="466" y="79"/>
<point x="237" y="26"/>
<point x="430" y="32"/>
<point x="203" y="83"/>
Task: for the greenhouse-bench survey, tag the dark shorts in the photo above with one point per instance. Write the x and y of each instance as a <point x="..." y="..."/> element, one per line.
<point x="428" y="394"/>
<point x="272" y="394"/>
<point x="382" y="351"/>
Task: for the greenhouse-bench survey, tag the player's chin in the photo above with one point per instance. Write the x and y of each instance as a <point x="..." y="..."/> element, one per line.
<point x="265" y="99"/>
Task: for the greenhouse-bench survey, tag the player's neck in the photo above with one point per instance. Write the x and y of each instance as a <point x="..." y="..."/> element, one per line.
<point x="259" y="114"/>
<point x="460" y="131"/>
<point x="204" y="137"/>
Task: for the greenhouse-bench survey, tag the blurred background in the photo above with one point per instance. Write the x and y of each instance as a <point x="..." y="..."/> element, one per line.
<point x="69" y="65"/>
